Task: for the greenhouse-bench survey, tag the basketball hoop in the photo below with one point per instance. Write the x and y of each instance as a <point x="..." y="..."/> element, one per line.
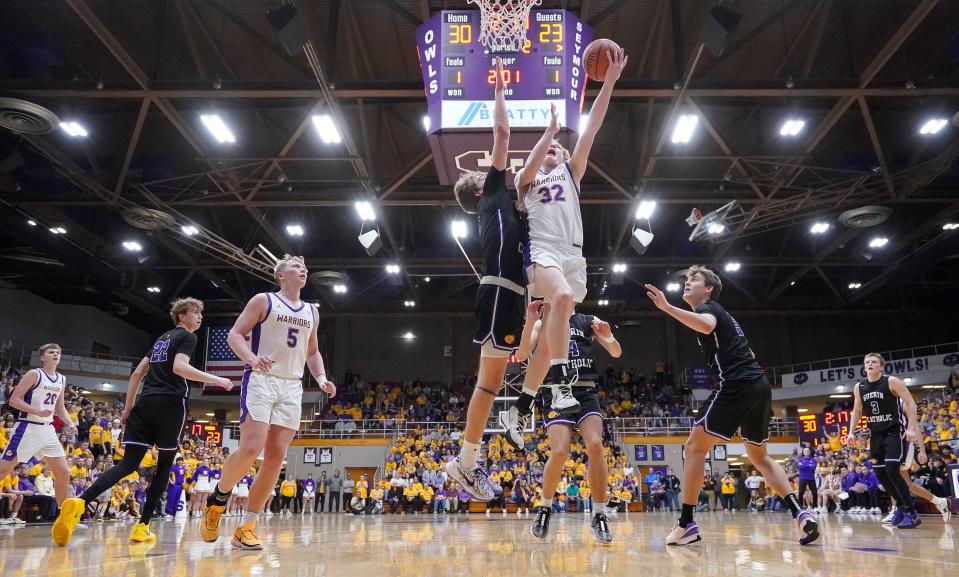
<point x="503" y="23"/>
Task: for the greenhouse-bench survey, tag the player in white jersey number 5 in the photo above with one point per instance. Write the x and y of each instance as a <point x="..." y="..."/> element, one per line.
<point x="38" y="396"/>
<point x="282" y="331"/>
<point x="549" y="187"/>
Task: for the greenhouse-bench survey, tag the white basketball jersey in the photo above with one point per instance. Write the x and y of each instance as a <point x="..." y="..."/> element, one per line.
<point x="552" y="205"/>
<point x="283" y="336"/>
<point x="43" y="396"/>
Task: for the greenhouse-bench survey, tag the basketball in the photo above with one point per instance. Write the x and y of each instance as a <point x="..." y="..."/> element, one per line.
<point x="595" y="59"/>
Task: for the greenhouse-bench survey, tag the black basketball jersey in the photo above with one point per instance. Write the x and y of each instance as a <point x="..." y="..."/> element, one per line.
<point x="726" y="349"/>
<point x="161" y="380"/>
<point x="502" y="232"/>
<point x="582" y="347"/>
<point x="882" y="409"/>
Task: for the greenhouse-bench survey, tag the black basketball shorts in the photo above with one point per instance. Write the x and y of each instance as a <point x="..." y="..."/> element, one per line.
<point x="156" y="420"/>
<point x="588" y="402"/>
<point x="889" y="446"/>
<point x="745" y="406"/>
<point x="500" y="313"/>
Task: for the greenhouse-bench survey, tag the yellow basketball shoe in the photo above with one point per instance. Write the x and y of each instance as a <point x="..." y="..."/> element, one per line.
<point x="141" y="534"/>
<point x="70" y="513"/>
<point x="210" y="527"/>
<point x="245" y="538"/>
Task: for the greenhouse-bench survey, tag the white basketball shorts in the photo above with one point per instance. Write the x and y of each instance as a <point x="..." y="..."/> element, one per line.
<point x="568" y="259"/>
<point x="269" y="399"/>
<point x="32" y="440"/>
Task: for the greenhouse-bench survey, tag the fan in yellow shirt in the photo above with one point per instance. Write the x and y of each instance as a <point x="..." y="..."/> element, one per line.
<point x="288" y="488"/>
<point x="96" y="434"/>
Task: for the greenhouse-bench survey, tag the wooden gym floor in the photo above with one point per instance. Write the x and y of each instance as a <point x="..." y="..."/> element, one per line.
<point x="739" y="544"/>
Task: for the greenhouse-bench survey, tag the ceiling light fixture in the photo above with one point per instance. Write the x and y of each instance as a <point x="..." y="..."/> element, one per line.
<point x="327" y="130"/>
<point x="294" y="230"/>
<point x="365" y="210"/>
<point x="878" y="242"/>
<point x="933" y="126"/>
<point x="685" y="126"/>
<point x="732" y="266"/>
<point x="792" y="127"/>
<point x="189" y="230"/>
<point x="218" y="128"/>
<point x="819" y="228"/>
<point x="74" y="129"/>
<point x="646" y="209"/>
<point x="132" y="246"/>
<point x="393" y="268"/>
<point x="458" y="229"/>
<point x="619" y="267"/>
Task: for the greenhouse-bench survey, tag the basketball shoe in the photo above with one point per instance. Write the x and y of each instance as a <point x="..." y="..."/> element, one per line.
<point x="515" y="424"/>
<point x="540" y="526"/>
<point x="943" y="505"/>
<point x="245" y="538"/>
<point x="70" y="512"/>
<point x="680" y="535"/>
<point x="476" y="482"/>
<point x="600" y="528"/>
<point x="910" y="520"/>
<point x="808" y="525"/>
<point x="210" y="526"/>
<point x="562" y="377"/>
<point x="141" y="534"/>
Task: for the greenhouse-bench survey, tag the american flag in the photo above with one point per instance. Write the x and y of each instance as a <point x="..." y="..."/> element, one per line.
<point x="220" y="359"/>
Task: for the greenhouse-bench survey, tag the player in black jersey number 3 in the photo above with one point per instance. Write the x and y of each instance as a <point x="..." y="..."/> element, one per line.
<point x="893" y="430"/>
<point x="742" y="401"/>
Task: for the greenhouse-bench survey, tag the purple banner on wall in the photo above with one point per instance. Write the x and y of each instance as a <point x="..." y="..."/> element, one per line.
<point x="641" y="453"/>
<point x="659" y="453"/>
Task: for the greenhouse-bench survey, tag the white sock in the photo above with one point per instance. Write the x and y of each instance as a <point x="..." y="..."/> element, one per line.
<point x="557" y="362"/>
<point x="600" y="507"/>
<point x="249" y="518"/>
<point x="529" y="391"/>
<point x="469" y="454"/>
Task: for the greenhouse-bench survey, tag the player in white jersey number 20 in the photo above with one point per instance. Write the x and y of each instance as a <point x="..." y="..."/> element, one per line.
<point x="282" y="338"/>
<point x="38" y="396"/>
<point x="549" y="187"/>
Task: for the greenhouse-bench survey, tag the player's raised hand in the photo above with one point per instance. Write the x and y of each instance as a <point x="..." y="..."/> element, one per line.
<point x="602" y="330"/>
<point x="657" y="296"/>
<point x="553" y="127"/>
<point x="500" y="81"/>
<point x="617" y="62"/>
<point x="535" y="308"/>
<point x="328" y="388"/>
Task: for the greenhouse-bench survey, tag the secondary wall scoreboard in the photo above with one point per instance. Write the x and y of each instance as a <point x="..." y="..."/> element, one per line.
<point x="209" y="433"/>
<point x="812" y="428"/>
<point x="459" y="78"/>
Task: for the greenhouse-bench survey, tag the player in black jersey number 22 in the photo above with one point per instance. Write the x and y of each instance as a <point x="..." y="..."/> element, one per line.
<point x="741" y="402"/>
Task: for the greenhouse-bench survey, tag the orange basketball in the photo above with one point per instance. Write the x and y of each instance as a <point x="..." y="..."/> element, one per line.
<point x="595" y="57"/>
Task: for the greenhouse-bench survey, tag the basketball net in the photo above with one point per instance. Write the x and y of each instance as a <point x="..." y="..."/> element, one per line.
<point x="503" y="23"/>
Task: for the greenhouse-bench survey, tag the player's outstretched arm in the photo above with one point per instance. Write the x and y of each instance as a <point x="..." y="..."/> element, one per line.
<point x="604" y="334"/>
<point x="500" y="121"/>
<point x="531" y="330"/>
<point x="314" y="360"/>
<point x="899" y="389"/>
<point x="538" y="154"/>
<point x="27" y="382"/>
<point x="183" y="368"/>
<point x="136" y="377"/>
<point x="597" y="113"/>
<point x="704" y="323"/>
<point x="855" y="416"/>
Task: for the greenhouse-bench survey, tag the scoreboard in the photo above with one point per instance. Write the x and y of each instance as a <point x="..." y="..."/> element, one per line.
<point x="211" y="434"/>
<point x="812" y="428"/>
<point x="459" y="78"/>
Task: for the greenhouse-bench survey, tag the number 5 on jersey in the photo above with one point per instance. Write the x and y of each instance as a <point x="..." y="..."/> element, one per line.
<point x="291" y="337"/>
